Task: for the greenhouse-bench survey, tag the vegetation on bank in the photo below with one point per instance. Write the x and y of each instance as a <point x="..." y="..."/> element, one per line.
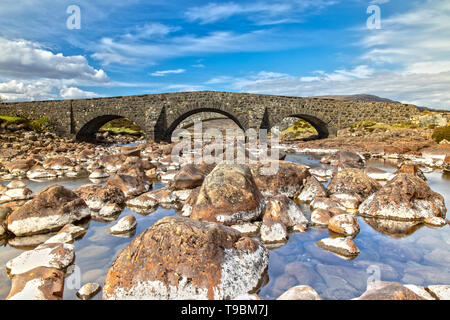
<point x="38" y="125"/>
<point x="370" y="126"/>
<point x="441" y="133"/>
<point x="300" y="129"/>
<point x="121" y="126"/>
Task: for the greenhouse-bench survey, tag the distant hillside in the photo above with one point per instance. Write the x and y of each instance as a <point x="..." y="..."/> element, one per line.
<point x="358" y="97"/>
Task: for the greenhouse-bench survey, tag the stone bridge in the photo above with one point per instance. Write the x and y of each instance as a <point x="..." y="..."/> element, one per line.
<point x="159" y="114"/>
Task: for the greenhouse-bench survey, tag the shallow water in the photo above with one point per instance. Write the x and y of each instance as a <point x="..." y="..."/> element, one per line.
<point x="417" y="255"/>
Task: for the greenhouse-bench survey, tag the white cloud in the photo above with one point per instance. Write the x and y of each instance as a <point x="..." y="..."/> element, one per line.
<point x="418" y="37"/>
<point x="430" y="90"/>
<point x="76" y="93"/>
<point x="46" y="89"/>
<point x="166" y="72"/>
<point x="408" y="61"/>
<point x="23" y="59"/>
<point x="121" y="51"/>
<point x="262" y="12"/>
<point x="18" y="90"/>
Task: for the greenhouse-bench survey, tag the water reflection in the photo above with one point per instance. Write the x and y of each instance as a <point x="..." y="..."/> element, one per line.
<point x="392" y="228"/>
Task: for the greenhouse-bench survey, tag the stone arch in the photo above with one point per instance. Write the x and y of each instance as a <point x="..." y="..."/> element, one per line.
<point x="90" y="128"/>
<point x="181" y="116"/>
<point x="320" y="122"/>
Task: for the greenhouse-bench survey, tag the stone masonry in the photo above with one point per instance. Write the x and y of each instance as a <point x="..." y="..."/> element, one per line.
<point x="159" y="114"/>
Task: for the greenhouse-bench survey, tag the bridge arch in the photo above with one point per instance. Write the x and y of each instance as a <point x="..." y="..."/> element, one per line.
<point x="177" y="121"/>
<point x="320" y="122"/>
<point x="90" y="128"/>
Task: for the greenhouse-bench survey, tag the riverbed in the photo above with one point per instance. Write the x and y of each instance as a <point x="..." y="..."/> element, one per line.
<point x="415" y="254"/>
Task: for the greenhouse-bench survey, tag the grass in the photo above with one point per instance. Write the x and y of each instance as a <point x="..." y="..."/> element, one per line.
<point x="38" y="125"/>
<point x="121" y="126"/>
<point x="299" y="129"/>
<point x="370" y="126"/>
<point x="12" y="119"/>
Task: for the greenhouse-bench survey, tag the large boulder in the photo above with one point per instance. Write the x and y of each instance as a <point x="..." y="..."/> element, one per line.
<point x="280" y="177"/>
<point x="351" y="186"/>
<point x="180" y="258"/>
<point x="97" y="196"/>
<point x="190" y="176"/>
<point x="50" y="210"/>
<point x="406" y="197"/>
<point x="228" y="195"/>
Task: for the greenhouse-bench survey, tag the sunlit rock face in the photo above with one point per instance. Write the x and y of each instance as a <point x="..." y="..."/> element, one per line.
<point x="228" y="195"/>
<point x="181" y="258"/>
<point x="406" y="198"/>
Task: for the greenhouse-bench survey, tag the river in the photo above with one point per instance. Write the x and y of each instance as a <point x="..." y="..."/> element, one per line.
<point x="420" y="255"/>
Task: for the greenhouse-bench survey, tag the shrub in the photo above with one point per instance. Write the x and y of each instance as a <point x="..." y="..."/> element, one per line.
<point x="40" y="124"/>
<point x="441" y="133"/>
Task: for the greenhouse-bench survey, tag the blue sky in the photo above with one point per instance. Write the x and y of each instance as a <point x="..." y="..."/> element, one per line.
<point x="286" y="47"/>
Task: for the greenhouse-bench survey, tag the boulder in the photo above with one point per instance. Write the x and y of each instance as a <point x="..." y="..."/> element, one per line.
<point x="311" y="190"/>
<point x="381" y="290"/>
<point x="280" y="215"/>
<point x="190" y="176"/>
<point x="50" y="255"/>
<point x="351" y="186"/>
<point x="180" y="258"/>
<point x="58" y="163"/>
<point x="326" y="204"/>
<point x="112" y="163"/>
<point x="98" y="196"/>
<point x="300" y="293"/>
<point x="442" y="292"/>
<point x="279" y="177"/>
<point x="50" y="210"/>
<point x="130" y="151"/>
<point x="89" y="290"/>
<point x="378" y="174"/>
<point x="344" y="224"/>
<point x="228" y="195"/>
<point x="406" y="198"/>
<point x="20" y="166"/>
<point x="344" y="247"/>
<point x="190" y="201"/>
<point x="345" y="159"/>
<point x="163" y="197"/>
<point x="130" y="185"/>
<point x="40" y="283"/>
<point x="412" y="169"/>
<point x="124" y="225"/>
<point x="446" y="164"/>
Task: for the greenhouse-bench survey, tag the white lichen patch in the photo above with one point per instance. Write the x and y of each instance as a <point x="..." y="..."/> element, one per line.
<point x="45" y="255"/>
<point x="274" y="233"/>
<point x="34" y="225"/>
<point x="31" y="291"/>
